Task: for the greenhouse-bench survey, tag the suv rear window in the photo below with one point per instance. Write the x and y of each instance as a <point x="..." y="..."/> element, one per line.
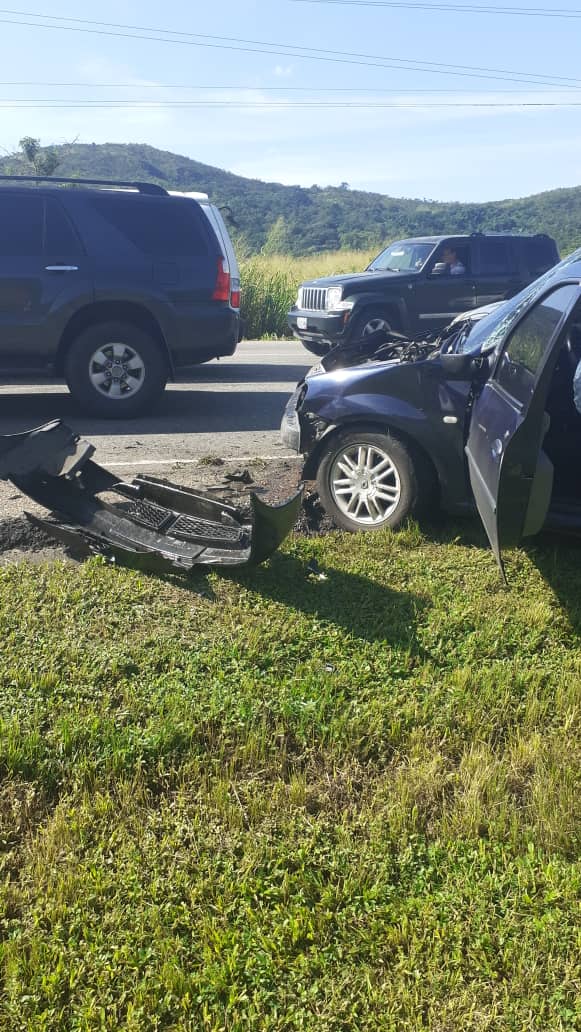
<point x="21" y="224"/>
<point x="60" y="237"/>
<point x="156" y="227"/>
<point x="540" y="254"/>
<point x="495" y="258"/>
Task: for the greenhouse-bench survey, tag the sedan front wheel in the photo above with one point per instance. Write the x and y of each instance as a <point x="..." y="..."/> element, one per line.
<point x="368" y="481"/>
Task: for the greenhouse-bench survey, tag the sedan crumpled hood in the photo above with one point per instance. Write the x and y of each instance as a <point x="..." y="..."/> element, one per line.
<point x="157" y="526"/>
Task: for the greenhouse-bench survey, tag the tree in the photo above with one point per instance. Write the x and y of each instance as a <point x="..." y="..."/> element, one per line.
<point x="278" y="240"/>
<point x="43" y="160"/>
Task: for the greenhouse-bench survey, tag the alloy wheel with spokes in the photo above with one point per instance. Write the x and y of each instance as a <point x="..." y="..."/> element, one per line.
<point x="377" y="322"/>
<point x="365" y="483"/>
<point x="369" y="480"/>
<point x="116" y="370"/>
<point x="370" y="321"/>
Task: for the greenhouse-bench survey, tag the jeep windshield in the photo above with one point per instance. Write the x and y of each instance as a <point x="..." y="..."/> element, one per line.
<point x="403" y="256"/>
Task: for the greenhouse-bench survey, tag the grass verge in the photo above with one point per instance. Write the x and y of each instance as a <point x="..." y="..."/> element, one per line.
<point x="270" y="284"/>
<point x="272" y="801"/>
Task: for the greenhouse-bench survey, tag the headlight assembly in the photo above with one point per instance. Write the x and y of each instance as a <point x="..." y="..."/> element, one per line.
<point x="334" y="295"/>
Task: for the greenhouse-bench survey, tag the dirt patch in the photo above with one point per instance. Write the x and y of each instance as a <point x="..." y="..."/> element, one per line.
<point x="273" y="481"/>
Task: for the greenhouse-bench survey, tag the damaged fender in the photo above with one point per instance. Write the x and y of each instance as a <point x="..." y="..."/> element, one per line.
<point x="155" y="525"/>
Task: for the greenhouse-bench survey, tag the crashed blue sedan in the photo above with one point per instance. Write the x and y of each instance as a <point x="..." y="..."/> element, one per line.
<point x="483" y="415"/>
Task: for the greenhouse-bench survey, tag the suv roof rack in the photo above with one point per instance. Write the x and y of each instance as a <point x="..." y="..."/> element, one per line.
<point x="145" y="188"/>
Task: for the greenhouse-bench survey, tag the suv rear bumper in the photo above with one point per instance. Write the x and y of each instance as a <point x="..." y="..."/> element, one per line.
<point x="204" y="332"/>
<point x="322" y="327"/>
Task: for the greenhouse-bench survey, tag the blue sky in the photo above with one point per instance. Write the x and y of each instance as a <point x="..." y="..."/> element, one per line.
<point x="437" y="152"/>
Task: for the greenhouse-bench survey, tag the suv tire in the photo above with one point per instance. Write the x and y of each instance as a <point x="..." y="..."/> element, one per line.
<point x="375" y="476"/>
<point x="370" y="321"/>
<point x="106" y="349"/>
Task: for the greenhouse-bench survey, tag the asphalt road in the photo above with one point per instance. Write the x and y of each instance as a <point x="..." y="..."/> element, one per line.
<point x="229" y="409"/>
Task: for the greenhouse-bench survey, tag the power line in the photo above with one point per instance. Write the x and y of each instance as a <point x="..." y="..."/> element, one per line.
<point x="42" y="104"/>
<point x="524" y="12"/>
<point x="275" y="89"/>
<point x="289" y="50"/>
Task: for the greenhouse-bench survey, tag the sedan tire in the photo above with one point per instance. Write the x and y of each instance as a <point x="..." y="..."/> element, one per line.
<point x="368" y="481"/>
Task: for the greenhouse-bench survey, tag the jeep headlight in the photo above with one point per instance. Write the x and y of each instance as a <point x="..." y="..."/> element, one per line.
<point x="334" y="295"/>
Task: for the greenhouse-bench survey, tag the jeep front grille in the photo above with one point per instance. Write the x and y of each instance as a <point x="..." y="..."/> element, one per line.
<point x="314" y="299"/>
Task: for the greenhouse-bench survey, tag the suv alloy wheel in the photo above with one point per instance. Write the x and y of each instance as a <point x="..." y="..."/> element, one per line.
<point x="115" y="370"/>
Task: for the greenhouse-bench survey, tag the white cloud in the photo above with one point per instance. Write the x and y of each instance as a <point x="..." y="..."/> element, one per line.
<point x="283" y="71"/>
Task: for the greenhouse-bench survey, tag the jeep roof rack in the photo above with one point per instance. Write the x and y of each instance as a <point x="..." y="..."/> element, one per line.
<point x="145" y="188"/>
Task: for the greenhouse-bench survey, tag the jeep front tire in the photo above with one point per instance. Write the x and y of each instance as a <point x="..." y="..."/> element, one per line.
<point x="370" y="321"/>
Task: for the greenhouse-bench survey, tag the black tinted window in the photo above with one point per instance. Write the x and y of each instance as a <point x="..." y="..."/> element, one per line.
<point x="494" y="258"/>
<point x="20" y="224"/>
<point x="157" y="227"/>
<point x="523" y="356"/>
<point x="60" y="237"/>
<point x="540" y="254"/>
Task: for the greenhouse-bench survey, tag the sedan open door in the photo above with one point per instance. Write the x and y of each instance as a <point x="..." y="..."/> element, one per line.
<point x="510" y="475"/>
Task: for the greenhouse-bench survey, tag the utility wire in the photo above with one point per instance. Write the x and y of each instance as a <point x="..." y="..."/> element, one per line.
<point x="278" y="89"/>
<point x="276" y="105"/>
<point x="289" y="50"/>
<point x="523" y="12"/>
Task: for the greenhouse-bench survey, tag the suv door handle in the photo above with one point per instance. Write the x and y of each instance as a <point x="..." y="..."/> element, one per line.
<point x="61" y="268"/>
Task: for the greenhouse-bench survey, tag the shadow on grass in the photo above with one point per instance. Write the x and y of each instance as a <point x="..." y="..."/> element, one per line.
<point x="558" y="557"/>
<point x="350" y="601"/>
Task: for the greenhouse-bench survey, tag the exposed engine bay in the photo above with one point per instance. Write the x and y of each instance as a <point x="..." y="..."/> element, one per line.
<point x="384" y="346"/>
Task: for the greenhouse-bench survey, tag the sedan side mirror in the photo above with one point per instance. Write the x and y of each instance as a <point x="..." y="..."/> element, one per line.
<point x="462" y="366"/>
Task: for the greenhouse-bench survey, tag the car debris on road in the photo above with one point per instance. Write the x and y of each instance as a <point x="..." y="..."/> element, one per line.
<point x="151" y="525"/>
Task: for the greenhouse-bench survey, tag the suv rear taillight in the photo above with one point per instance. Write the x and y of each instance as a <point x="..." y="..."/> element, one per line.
<point x="222" y="287"/>
<point x="235" y="293"/>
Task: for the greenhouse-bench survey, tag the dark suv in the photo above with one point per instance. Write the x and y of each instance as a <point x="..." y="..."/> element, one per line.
<point x="114" y="286"/>
<point x="413" y="287"/>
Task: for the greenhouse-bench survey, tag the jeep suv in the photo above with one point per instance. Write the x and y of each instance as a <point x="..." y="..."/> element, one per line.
<point x="114" y="286"/>
<point x="411" y="288"/>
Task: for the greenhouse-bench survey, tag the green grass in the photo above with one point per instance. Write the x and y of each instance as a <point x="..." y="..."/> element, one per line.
<point x="269" y="801"/>
<point x="270" y="284"/>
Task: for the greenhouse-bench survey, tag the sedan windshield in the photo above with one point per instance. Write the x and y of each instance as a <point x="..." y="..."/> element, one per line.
<point x="484" y="336"/>
<point x="404" y="256"/>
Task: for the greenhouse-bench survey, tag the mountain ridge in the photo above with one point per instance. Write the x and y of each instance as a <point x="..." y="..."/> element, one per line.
<point x="299" y="220"/>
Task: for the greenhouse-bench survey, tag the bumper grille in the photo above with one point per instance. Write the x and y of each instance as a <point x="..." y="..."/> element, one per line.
<point x="314" y="299"/>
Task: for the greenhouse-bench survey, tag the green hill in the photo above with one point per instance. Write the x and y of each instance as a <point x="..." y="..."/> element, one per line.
<point x="304" y="221"/>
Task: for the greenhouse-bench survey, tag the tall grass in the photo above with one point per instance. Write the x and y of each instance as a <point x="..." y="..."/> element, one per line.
<point x="270" y="284"/>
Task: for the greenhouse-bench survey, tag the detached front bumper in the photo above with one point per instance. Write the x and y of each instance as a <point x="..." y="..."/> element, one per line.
<point x="151" y="524"/>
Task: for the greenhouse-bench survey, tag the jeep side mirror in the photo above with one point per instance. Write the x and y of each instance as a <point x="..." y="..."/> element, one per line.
<point x="439" y="269"/>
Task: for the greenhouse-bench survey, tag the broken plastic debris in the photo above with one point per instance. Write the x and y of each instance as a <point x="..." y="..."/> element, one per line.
<point x="240" y="475"/>
<point x="156" y="525"/>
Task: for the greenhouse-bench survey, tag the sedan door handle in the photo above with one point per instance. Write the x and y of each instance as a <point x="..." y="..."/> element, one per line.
<point x="61" y="268"/>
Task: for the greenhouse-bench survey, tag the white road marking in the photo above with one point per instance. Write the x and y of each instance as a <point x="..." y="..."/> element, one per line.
<point x="197" y="462"/>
